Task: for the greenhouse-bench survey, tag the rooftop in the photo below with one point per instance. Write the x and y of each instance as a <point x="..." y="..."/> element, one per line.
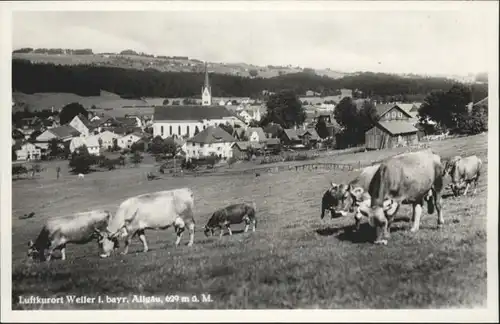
<point x="396" y="127"/>
<point x="212" y="135"/>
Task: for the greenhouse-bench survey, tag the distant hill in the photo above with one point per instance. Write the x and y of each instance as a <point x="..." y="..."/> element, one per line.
<point x="89" y="81"/>
<point x="159" y="63"/>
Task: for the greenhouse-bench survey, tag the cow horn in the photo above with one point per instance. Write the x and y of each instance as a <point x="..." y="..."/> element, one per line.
<point x="30" y="244"/>
<point x="333" y="185"/>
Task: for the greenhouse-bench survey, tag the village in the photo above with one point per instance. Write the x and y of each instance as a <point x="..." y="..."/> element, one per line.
<point x="227" y="129"/>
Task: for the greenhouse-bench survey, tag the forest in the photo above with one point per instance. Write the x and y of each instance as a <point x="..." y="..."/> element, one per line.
<point x="88" y="80"/>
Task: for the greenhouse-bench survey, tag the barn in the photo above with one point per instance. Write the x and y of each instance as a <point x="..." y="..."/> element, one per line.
<point x="393" y="129"/>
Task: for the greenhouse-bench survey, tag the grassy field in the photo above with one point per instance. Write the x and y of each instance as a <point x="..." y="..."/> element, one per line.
<point x="293" y="260"/>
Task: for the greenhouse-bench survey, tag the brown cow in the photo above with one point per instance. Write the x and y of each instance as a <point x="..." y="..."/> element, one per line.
<point x="232" y="214"/>
<point x="464" y="171"/>
<point x="407" y="178"/>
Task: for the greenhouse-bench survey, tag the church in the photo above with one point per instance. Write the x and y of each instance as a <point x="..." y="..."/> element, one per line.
<point x="187" y="120"/>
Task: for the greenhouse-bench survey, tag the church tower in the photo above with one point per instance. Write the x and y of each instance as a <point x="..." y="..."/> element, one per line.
<point x="206" y="90"/>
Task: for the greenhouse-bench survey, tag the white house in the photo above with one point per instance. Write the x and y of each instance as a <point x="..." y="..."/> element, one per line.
<point x="28" y="151"/>
<point x="211" y="141"/>
<point x="81" y="124"/>
<point x="107" y="138"/>
<point x="256" y="134"/>
<point x="126" y="141"/>
<point x="62" y="133"/>
<point x="92" y="143"/>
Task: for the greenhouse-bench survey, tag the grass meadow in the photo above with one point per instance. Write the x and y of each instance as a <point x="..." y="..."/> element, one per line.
<point x="293" y="260"/>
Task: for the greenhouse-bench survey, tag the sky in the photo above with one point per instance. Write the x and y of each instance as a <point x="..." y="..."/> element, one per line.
<point x="423" y="42"/>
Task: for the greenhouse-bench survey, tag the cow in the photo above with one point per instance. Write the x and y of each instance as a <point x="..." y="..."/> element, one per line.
<point x="79" y="228"/>
<point x="232" y="214"/>
<point x="405" y="179"/>
<point x="158" y="210"/>
<point x="80" y="176"/>
<point x="342" y="199"/>
<point x="464" y="171"/>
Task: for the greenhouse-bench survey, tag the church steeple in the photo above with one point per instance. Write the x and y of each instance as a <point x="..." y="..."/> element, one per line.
<point x="206" y="91"/>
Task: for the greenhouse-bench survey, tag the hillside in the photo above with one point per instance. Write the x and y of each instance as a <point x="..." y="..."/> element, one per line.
<point x="89" y="80"/>
<point x="165" y="64"/>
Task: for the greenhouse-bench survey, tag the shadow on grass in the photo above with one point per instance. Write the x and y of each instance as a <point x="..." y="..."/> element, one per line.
<point x="348" y="233"/>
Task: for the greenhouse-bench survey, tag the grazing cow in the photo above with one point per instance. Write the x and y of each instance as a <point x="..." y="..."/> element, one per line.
<point x="232" y="214"/>
<point x="405" y="179"/>
<point x="159" y="210"/>
<point x="80" y="176"/>
<point x="342" y="199"/>
<point x="78" y="228"/>
<point x="448" y="165"/>
<point x="464" y="171"/>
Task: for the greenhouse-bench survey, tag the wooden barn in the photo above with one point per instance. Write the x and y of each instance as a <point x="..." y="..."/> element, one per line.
<point x="393" y="129"/>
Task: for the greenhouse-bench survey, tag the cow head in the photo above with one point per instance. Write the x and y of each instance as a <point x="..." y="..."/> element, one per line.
<point x="107" y="241"/>
<point x="33" y="251"/>
<point x="449" y="166"/>
<point x="344" y="198"/>
<point x="208" y="230"/>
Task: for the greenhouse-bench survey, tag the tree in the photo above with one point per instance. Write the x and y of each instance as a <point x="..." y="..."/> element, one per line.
<point x="322" y="129"/>
<point x="136" y="158"/>
<point x="100" y="142"/>
<point x="81" y="160"/>
<point x="285" y="109"/>
<point x="115" y="146"/>
<point x="18" y="170"/>
<point x="227" y="127"/>
<point x="71" y="110"/>
<point x="157" y="145"/>
<point x="54" y="148"/>
<point x="253" y="73"/>
<point x="447" y="109"/>
<point x="170" y="147"/>
<point x="196" y="130"/>
<point x="14" y="154"/>
<point x="165" y="102"/>
<point x="354" y="122"/>
<point x="139" y="146"/>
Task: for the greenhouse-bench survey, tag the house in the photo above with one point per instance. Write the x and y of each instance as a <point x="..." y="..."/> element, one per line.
<point x="91" y="142"/>
<point x="250" y="113"/>
<point x="255" y="134"/>
<point x="107" y="139"/>
<point x="210" y="141"/>
<point x="62" y="133"/>
<point x="27" y="151"/>
<point x="82" y="124"/>
<point x="290" y="137"/>
<point x="240" y="150"/>
<point x="129" y="139"/>
<point x="273" y="144"/>
<point x="128" y="121"/>
<point x="308" y="136"/>
<point x="393" y="128"/>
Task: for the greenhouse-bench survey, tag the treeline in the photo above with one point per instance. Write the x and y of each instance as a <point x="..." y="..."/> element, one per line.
<point x="86" y="80"/>
<point x="84" y="51"/>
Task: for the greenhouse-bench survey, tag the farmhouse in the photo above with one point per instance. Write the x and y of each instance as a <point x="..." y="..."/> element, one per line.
<point x="62" y="133"/>
<point x="91" y="142"/>
<point x="82" y="124"/>
<point x="27" y="151"/>
<point x="211" y="141"/>
<point x="107" y="138"/>
<point x="255" y="134"/>
<point x="241" y="149"/>
<point x="393" y="129"/>
<point x="129" y="139"/>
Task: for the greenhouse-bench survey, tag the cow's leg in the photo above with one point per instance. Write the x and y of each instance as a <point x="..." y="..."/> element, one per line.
<point x="254" y="223"/>
<point x="63" y="252"/>
<point x="417" y="213"/>
<point x="229" y="230"/>
<point x="379" y="221"/>
<point x="438" y="202"/>
<point x="221" y="232"/>
<point x="128" y="239"/>
<point x="475" y="186"/>
<point x="191" y="234"/>
<point x="357" y="221"/>
<point x="246" y="219"/>
<point x="466" y="188"/>
<point x="142" y="237"/>
<point x="179" y="226"/>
